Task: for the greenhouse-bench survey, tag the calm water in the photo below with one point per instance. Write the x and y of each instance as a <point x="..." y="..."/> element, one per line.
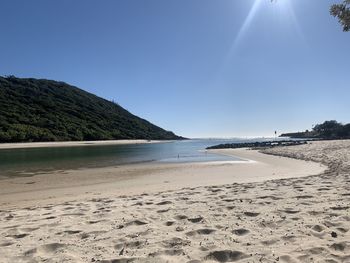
<point x="25" y="162"/>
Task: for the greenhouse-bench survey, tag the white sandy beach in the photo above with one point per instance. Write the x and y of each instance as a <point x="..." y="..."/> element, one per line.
<point x="72" y="143"/>
<point x="275" y="209"/>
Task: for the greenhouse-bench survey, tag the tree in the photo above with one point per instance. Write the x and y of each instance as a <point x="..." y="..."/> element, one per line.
<point x="342" y="12"/>
<point x="328" y="129"/>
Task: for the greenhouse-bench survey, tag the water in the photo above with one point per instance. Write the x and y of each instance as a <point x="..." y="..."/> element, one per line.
<point x="30" y="161"/>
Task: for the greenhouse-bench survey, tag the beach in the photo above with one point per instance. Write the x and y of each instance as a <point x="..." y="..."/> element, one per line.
<point x="24" y="145"/>
<point x="287" y="204"/>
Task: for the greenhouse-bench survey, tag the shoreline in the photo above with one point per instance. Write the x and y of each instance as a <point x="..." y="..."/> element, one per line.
<point x="150" y="178"/>
<point x="23" y="145"/>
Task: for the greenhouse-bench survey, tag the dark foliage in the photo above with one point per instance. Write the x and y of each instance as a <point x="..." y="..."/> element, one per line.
<point x="342" y="12"/>
<point x="327" y="130"/>
<point x="256" y="145"/>
<point x="45" y="110"/>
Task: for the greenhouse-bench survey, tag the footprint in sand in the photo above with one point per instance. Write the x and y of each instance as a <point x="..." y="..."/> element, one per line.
<point x="342" y="230"/>
<point x="6" y="244"/>
<point x="92" y="222"/>
<point x="164" y="203"/>
<point x="215" y="190"/>
<point x="168" y="252"/>
<point x="169" y="223"/>
<point x="226" y="255"/>
<point x="269" y="242"/>
<point x="18" y="236"/>
<point x="304" y="196"/>
<point x="136" y="223"/>
<point x="290" y="211"/>
<point x="240" y="232"/>
<point x="318" y="228"/>
<point x="133" y="223"/>
<point x="118" y="260"/>
<point x="342" y="246"/>
<point x="180" y="217"/>
<point x="289" y="238"/>
<point x="203" y="231"/>
<point x="68" y="208"/>
<point x="163" y="210"/>
<point x="175" y="242"/>
<point x="288" y="259"/>
<point x="196" y="219"/>
<point x="270" y="197"/>
<point x="229" y="200"/>
<point x="316" y="250"/>
<point x="48" y="248"/>
<point x="251" y="214"/>
<point x="29" y="229"/>
<point x="323" y="189"/>
<point x="72" y="232"/>
<point x="84" y="235"/>
<point x="132" y="245"/>
<point x="73" y="214"/>
<point x="340" y="208"/>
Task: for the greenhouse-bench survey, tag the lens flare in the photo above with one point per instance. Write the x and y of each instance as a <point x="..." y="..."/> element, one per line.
<point x="246" y="24"/>
<point x="282" y="13"/>
<point x="282" y="8"/>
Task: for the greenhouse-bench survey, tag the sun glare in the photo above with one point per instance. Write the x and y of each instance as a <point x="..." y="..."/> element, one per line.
<point x="282" y="10"/>
<point x="285" y="12"/>
<point x="246" y="24"/>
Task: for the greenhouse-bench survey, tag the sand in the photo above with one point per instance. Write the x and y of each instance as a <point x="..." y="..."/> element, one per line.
<point x="72" y="143"/>
<point x="244" y="219"/>
<point x="148" y="178"/>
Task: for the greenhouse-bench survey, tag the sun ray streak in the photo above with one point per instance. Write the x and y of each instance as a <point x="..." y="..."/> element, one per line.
<point x="284" y="14"/>
<point x="295" y="22"/>
<point x="245" y="26"/>
<point x="247" y="22"/>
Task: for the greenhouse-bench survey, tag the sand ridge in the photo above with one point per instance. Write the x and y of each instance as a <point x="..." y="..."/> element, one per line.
<point x="304" y="219"/>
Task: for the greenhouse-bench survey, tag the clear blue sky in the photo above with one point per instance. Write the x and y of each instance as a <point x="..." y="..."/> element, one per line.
<point x="201" y="68"/>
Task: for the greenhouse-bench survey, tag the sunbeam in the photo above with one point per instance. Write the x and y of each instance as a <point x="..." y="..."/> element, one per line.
<point x="243" y="29"/>
<point x="284" y="11"/>
<point x="245" y="25"/>
<point x="292" y="17"/>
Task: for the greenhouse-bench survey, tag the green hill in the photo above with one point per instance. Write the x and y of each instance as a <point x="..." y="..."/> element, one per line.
<point x="46" y="110"/>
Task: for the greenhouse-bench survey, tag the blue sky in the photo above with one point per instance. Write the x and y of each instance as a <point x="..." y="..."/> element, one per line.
<point x="201" y="68"/>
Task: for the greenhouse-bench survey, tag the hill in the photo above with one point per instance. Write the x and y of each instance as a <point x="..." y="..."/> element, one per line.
<point x="33" y="110"/>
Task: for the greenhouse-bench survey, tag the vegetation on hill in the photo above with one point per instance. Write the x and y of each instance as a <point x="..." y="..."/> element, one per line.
<point x="33" y="110"/>
<point x="327" y="130"/>
<point x="256" y="145"/>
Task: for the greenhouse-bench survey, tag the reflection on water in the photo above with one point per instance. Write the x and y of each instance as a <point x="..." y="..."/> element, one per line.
<point x="22" y="162"/>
